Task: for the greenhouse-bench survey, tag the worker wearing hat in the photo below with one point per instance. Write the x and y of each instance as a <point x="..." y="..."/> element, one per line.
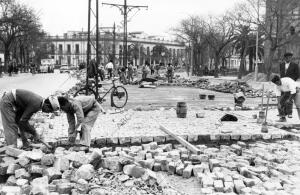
<point x="17" y="106"/>
<point x="86" y="110"/>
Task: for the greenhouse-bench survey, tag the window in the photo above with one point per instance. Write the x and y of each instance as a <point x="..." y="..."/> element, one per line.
<point x="60" y="48"/>
<point x="77" y="48"/>
<point x="69" y="48"/>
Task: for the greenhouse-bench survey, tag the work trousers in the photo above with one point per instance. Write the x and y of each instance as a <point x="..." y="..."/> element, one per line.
<point x="297" y="102"/>
<point x="285" y="108"/>
<point x="88" y="124"/>
<point x="109" y="71"/>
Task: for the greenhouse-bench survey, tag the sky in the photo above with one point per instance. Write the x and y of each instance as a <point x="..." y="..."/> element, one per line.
<point x="60" y="16"/>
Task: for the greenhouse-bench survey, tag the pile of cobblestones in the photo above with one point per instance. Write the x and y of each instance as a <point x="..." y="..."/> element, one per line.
<point x="239" y="168"/>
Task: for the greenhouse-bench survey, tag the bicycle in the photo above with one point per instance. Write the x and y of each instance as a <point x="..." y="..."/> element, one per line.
<point x="118" y="95"/>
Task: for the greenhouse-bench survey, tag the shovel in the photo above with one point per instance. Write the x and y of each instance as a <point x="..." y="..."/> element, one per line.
<point x="264" y="127"/>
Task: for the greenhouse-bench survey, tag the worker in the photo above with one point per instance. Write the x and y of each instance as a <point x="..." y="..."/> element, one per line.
<point x="86" y="109"/>
<point x="285" y="92"/>
<point x="109" y="67"/>
<point x="170" y="73"/>
<point x="17" y="106"/>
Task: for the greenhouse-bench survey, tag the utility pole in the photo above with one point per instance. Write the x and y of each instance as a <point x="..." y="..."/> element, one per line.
<point x="114" y="45"/>
<point x="125" y="9"/>
<point x="97" y="46"/>
<point x="256" y="52"/>
<point x="88" y="46"/>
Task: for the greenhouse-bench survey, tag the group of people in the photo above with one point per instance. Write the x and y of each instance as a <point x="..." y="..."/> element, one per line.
<point x="17" y="107"/>
<point x="287" y="88"/>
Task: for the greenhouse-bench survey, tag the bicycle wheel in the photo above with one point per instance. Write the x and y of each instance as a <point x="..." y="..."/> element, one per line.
<point x="82" y="91"/>
<point x="119" y="97"/>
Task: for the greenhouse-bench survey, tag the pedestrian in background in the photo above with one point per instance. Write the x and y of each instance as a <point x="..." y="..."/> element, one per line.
<point x="170" y="73"/>
<point x="109" y="67"/>
<point x="152" y="69"/>
<point x="157" y="67"/>
<point x="145" y="70"/>
<point x="130" y="73"/>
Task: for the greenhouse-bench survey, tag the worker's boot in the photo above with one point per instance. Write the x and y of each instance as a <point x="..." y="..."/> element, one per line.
<point x="281" y="120"/>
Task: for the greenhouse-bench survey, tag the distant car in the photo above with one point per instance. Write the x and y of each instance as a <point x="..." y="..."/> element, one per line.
<point x="64" y="69"/>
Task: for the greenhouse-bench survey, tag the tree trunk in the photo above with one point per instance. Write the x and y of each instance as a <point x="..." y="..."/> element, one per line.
<point x="6" y="56"/>
<point x="269" y="63"/>
<point x="242" y="68"/>
<point x="217" y="61"/>
<point x="251" y="61"/>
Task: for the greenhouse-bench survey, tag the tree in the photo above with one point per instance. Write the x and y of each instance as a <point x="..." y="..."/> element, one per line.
<point x="160" y="53"/>
<point x="193" y="30"/>
<point x="220" y="36"/>
<point x="16" y="22"/>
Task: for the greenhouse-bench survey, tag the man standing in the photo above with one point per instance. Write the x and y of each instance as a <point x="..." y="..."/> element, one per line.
<point x="286" y="90"/>
<point x="109" y="67"/>
<point x="170" y="73"/>
<point x="86" y="109"/>
<point x="289" y="68"/>
<point x="17" y="106"/>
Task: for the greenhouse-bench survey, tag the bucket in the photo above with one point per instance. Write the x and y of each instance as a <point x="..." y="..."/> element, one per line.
<point x="181" y="110"/>
<point x="261" y="117"/>
<point x="211" y="97"/>
<point x="202" y="96"/>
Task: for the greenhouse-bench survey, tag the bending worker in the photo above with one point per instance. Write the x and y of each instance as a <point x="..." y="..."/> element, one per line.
<point x="17" y="106"/>
<point x="86" y="109"/>
<point x="285" y="92"/>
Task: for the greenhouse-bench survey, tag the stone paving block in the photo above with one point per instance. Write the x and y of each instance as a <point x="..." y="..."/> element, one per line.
<point x="276" y="136"/>
<point x="172" y="168"/>
<point x="187" y="172"/>
<point x="100" y="141"/>
<point x="256" y="136"/>
<point x="160" y="139"/>
<point x="238" y="185"/>
<point x="249" y="182"/>
<point x="179" y="169"/>
<point x="215" y="137"/>
<point x="235" y="137"/>
<point x="135" y="140"/>
<point x="192" y="138"/>
<point x="184" y="157"/>
<point x="225" y="137"/>
<point x="169" y="138"/>
<point x="157" y="166"/>
<point x="112" y="140"/>
<point x="147" y="139"/>
<point x="266" y="136"/>
<point x="208" y="190"/>
<point x="204" y="138"/>
<point x="245" y="137"/>
<point x="124" y="140"/>
<point x="213" y="163"/>
<point x="218" y="185"/>
<point x="207" y="182"/>
<point x="228" y="186"/>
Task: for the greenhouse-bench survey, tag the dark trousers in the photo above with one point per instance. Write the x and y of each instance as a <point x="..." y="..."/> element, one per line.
<point x="109" y="70"/>
<point x="283" y="107"/>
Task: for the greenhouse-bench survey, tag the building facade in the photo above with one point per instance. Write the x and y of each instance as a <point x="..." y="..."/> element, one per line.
<point x="71" y="49"/>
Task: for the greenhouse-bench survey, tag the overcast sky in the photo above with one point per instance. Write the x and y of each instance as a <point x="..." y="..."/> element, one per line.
<point x="59" y="16"/>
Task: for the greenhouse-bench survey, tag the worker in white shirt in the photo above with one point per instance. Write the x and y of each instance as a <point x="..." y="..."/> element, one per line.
<point x="109" y="67"/>
<point x="285" y="90"/>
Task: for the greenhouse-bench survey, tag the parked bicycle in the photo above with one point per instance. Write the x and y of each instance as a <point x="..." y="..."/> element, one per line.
<point x="118" y="94"/>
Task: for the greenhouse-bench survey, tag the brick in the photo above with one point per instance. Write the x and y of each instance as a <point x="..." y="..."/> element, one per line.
<point x="135" y="140"/>
<point x="153" y="145"/>
<point x="256" y="136"/>
<point x="218" y="185"/>
<point x="134" y="171"/>
<point x="36" y="169"/>
<point x="112" y="163"/>
<point x="184" y="157"/>
<point x="179" y="169"/>
<point x="100" y="141"/>
<point x="146" y="147"/>
<point x="192" y="138"/>
<point x="149" y="156"/>
<point x="220" y="175"/>
<point x="213" y="163"/>
<point x="157" y="166"/>
<point x="10" y="190"/>
<point x="207" y="182"/>
<point x="160" y="139"/>
<point x="172" y="168"/>
<point x="245" y="137"/>
<point x="40" y="185"/>
<point x="10" y="151"/>
<point x="228" y="178"/>
<point x="228" y="187"/>
<point x="61" y="164"/>
<point x="215" y="137"/>
<point x="174" y="155"/>
<point x="164" y="164"/>
<point x="64" y="188"/>
<point x="112" y="140"/>
<point x="11" y="168"/>
<point x="52" y="173"/>
<point x="238" y="185"/>
<point x="197" y="169"/>
<point x="147" y="139"/>
<point x="124" y="140"/>
<point x="148" y="164"/>
<point x="85" y="172"/>
<point x="169" y="138"/>
<point x="235" y="137"/>
<point x="187" y="172"/>
<point x="249" y="182"/>
<point x="276" y="136"/>
<point x="266" y="136"/>
<point x="48" y="159"/>
<point x="167" y="147"/>
<point x="136" y="149"/>
<point x="225" y="137"/>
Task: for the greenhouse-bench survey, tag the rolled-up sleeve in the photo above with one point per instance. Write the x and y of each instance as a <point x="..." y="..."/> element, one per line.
<point x="79" y="113"/>
<point x="277" y="91"/>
